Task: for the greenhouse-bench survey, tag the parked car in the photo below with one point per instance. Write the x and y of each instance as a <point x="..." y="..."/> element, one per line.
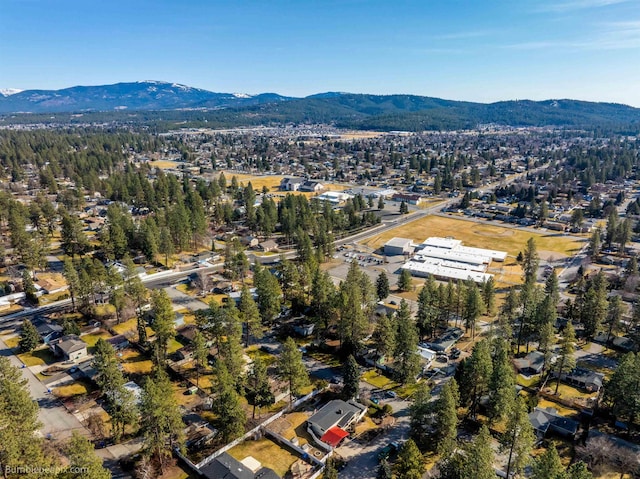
<point x="388" y="450"/>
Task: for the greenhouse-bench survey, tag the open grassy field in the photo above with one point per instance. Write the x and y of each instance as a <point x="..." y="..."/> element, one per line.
<point x="479" y="235"/>
<point x="267" y="452"/>
<point x="164" y="164"/>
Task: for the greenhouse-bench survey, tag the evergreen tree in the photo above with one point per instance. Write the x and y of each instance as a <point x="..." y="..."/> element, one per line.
<point x="250" y="315"/>
<point x="566" y="362"/>
<point x="548" y="465"/>
<point x="420" y="412"/>
<point x="330" y="471"/>
<point x="71" y="277"/>
<point x="622" y="392"/>
<point x="161" y="421"/>
<point x="478" y="457"/>
<point x="231" y="348"/>
<point x="28" y="286"/>
<point x="530" y="261"/>
<point x="410" y="463"/>
<point x="83" y="461"/>
<point x="473" y="307"/>
<point x="405" y="281"/>
<point x="29" y="337"/>
<point x="385" y="336"/>
<point x="351" y="375"/>
<point x="163" y="323"/>
<point x="356" y="300"/>
<point x="291" y="368"/>
<point x="259" y="392"/>
<point x="446" y="419"/>
<point x="502" y="383"/>
<point x="488" y="295"/>
<point x="227" y="406"/>
<point x="19" y="444"/>
<point x="269" y="294"/>
<point x="595" y="243"/>
<point x="382" y="286"/>
<point x="407" y="363"/>
<point x="404" y="209"/>
<point x="578" y="470"/>
<point x="518" y="438"/>
<point x="200" y="353"/>
<point x="477" y="374"/>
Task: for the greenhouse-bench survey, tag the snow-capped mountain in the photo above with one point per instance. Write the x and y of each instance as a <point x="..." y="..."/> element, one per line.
<point x="9" y="91"/>
<point x="141" y="95"/>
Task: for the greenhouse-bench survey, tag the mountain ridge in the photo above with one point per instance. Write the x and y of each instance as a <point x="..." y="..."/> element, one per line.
<point x="352" y="110"/>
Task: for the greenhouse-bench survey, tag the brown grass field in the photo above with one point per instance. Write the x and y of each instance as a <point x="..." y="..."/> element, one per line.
<point x="479" y="235"/>
<point x="163" y="164"/>
<point x="267" y="452"/>
<point x="273" y="182"/>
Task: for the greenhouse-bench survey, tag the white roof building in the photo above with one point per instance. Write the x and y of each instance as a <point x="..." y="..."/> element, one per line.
<point x="442" y="272"/>
<point x="334" y="197"/>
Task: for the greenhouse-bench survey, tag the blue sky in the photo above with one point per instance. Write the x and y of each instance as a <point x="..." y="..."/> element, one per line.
<point x="476" y="50"/>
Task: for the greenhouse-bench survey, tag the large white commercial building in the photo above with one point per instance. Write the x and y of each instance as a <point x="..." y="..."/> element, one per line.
<point x="446" y="258"/>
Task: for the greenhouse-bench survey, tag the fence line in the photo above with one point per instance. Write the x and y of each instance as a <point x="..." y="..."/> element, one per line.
<point x="256" y="429"/>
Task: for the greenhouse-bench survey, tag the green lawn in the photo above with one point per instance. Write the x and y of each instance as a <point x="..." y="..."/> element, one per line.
<point x="530" y="381"/>
<point x="378" y="380"/>
<point x="568" y="392"/>
<point x="38" y="357"/>
<point x="125" y="327"/>
<point x="78" y="388"/>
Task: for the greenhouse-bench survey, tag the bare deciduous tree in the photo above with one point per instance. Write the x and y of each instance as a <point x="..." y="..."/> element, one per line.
<point x="202" y="282"/>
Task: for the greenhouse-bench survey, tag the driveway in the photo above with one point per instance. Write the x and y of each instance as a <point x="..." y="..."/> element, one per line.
<point x="55" y="419"/>
<point x="362" y="459"/>
<point x="183" y="300"/>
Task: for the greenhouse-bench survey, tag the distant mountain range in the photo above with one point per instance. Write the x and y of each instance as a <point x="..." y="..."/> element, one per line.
<point x="384" y="112"/>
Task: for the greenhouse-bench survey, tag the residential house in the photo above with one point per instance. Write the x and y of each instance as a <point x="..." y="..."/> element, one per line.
<point x="249" y="241"/>
<point x="291" y="184"/>
<point x="51" y="283"/>
<point x="583" y="378"/>
<point x="87" y="370"/>
<point x="69" y="347"/>
<point x="227" y="467"/>
<point x="548" y="419"/>
<point x="311" y="187"/>
<point x="331" y="422"/>
<point x="119" y="342"/>
<point x="48" y="331"/>
<point x="532" y="363"/>
<point x="268" y="245"/>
